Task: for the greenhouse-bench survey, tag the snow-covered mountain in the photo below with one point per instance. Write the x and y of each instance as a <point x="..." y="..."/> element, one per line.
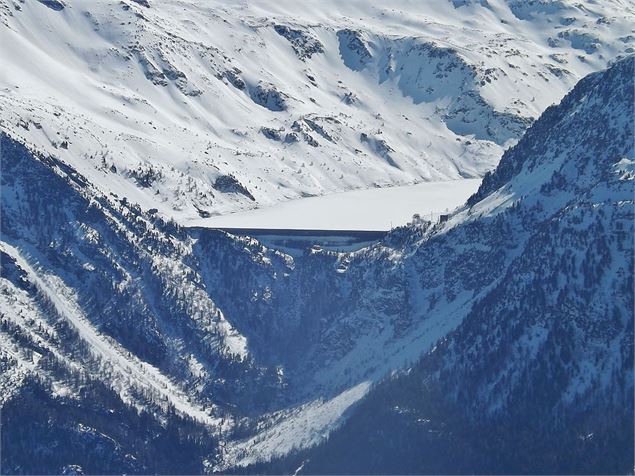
<point x="538" y="377"/>
<point x="130" y="343"/>
<point x="199" y="108"/>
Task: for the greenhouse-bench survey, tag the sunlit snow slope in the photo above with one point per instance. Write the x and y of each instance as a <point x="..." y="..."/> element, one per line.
<point x="131" y="345"/>
<point x="204" y="108"/>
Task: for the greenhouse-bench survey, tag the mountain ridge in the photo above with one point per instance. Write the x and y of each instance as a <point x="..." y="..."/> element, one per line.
<point x="151" y="104"/>
<point x="132" y="343"/>
<point x="538" y="376"/>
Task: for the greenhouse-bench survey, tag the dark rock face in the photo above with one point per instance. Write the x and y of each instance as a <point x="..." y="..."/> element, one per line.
<point x="151" y="72"/>
<point x="57" y="5"/>
<point x="269" y="97"/>
<point x="145" y="175"/>
<point x="379" y="146"/>
<point x="302" y="42"/>
<point x="233" y="76"/>
<point x="143" y="3"/>
<point x="230" y="184"/>
<point x="272" y="134"/>
<point x="353" y="49"/>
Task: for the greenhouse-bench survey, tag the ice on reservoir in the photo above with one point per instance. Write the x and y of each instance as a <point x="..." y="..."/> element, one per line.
<point x="371" y="209"/>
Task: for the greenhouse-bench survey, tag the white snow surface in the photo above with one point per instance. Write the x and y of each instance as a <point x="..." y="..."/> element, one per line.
<point x="298" y="428"/>
<point x="372" y="209"/>
<point x="291" y="99"/>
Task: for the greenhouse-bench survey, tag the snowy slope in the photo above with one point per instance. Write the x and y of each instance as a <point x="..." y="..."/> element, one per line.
<point x="128" y="374"/>
<point x="282" y="348"/>
<point x="538" y="375"/>
<point x="199" y="109"/>
<point x="193" y="337"/>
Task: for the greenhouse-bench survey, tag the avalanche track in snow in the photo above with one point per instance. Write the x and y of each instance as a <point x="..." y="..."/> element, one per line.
<point x="130" y="371"/>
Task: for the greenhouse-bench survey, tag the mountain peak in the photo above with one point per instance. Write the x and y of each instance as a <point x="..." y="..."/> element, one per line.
<point x="573" y="131"/>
